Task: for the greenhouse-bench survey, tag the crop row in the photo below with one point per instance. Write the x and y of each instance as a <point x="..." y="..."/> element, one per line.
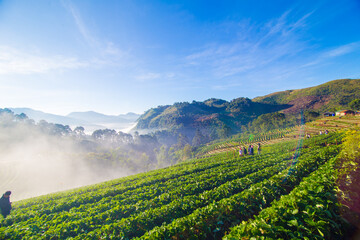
<point x="137" y="225"/>
<point x="130" y="181"/>
<point x="310" y="211"/>
<point x="116" y="209"/>
<point x="115" y="187"/>
<point x="212" y="221"/>
<point x="143" y="192"/>
<point x="132" y="206"/>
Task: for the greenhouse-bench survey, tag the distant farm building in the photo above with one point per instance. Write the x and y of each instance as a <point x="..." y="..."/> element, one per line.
<point x="329" y="114"/>
<point x="345" y="112"/>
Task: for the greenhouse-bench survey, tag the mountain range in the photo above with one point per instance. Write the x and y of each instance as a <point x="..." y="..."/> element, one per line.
<point x="90" y="120"/>
<point x="213" y="114"/>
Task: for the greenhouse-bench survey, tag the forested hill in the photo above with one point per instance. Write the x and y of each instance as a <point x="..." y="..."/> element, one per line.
<point x="231" y="116"/>
<point x="202" y="115"/>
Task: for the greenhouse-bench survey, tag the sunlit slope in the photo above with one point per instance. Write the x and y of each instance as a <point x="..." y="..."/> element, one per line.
<point x="336" y="94"/>
<point x="199" y="199"/>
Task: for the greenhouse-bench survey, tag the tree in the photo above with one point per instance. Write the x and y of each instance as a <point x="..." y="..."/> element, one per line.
<point x="79" y="131"/>
<point x="213" y="134"/>
<point x="310" y="115"/>
<point x="198" y="138"/>
<point x="126" y="138"/>
<point x="355" y="104"/>
<point x="145" y="161"/>
<point x="187" y="152"/>
<point x="224" y="131"/>
<point x="269" y="121"/>
<point x="98" y="134"/>
<point x="162" y="156"/>
<point x="60" y="130"/>
<point x="21" y="117"/>
<point x="182" y="140"/>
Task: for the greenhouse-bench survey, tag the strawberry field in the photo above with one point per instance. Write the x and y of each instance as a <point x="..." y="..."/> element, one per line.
<point x="272" y="195"/>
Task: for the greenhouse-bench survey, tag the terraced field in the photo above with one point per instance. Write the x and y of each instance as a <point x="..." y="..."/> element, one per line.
<point x="331" y="124"/>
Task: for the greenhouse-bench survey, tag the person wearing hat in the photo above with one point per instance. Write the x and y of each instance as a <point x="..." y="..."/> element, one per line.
<point x="5" y="204"/>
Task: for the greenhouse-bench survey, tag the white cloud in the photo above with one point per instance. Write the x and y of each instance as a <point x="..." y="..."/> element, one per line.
<point x="111" y="49"/>
<point x="277" y="51"/>
<point x="19" y="62"/>
<point x="107" y="50"/>
<point x="326" y="55"/>
<point x="80" y="23"/>
<point x="264" y="45"/>
<point x="342" y="50"/>
<point x="148" y="76"/>
<point x="164" y="77"/>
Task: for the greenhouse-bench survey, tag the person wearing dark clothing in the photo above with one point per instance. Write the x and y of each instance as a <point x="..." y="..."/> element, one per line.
<point x="5" y="204"/>
<point x="244" y="151"/>
<point x="251" y="150"/>
<point x="259" y="148"/>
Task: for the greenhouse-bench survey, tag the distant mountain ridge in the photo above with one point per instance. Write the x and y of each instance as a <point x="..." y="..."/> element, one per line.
<point x="220" y="114"/>
<point x="90" y="120"/>
<point x="102" y="118"/>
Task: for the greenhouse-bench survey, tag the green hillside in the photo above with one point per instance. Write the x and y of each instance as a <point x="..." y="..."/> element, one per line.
<point x="291" y="182"/>
<point x="204" y="114"/>
<point x="216" y="118"/>
<point x="333" y="95"/>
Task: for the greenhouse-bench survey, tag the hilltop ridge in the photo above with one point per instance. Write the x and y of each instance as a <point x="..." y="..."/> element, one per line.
<point x="329" y="96"/>
<point x="220" y="117"/>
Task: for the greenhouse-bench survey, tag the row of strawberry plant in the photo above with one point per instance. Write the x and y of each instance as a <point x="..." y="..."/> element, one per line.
<point x="138" y="224"/>
<point x="119" y="209"/>
<point x="40" y="205"/>
<point x="113" y="188"/>
<point x="169" y="172"/>
<point x="213" y="220"/>
<point x="310" y="211"/>
<point x="217" y="162"/>
<point x="74" y="201"/>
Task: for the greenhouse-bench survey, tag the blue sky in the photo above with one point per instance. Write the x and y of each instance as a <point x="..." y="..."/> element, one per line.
<point x="131" y="55"/>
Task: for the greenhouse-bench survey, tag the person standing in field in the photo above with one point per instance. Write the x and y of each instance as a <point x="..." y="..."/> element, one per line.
<point x="251" y="150"/>
<point x="240" y="152"/>
<point x="244" y="150"/>
<point x="5" y="204"/>
<point x="259" y="148"/>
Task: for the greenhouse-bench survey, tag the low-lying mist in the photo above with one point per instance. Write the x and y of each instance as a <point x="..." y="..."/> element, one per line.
<point x="41" y="158"/>
<point x="34" y="163"/>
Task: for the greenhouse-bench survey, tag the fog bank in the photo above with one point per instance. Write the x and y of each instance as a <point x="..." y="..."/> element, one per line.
<point x="33" y="163"/>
